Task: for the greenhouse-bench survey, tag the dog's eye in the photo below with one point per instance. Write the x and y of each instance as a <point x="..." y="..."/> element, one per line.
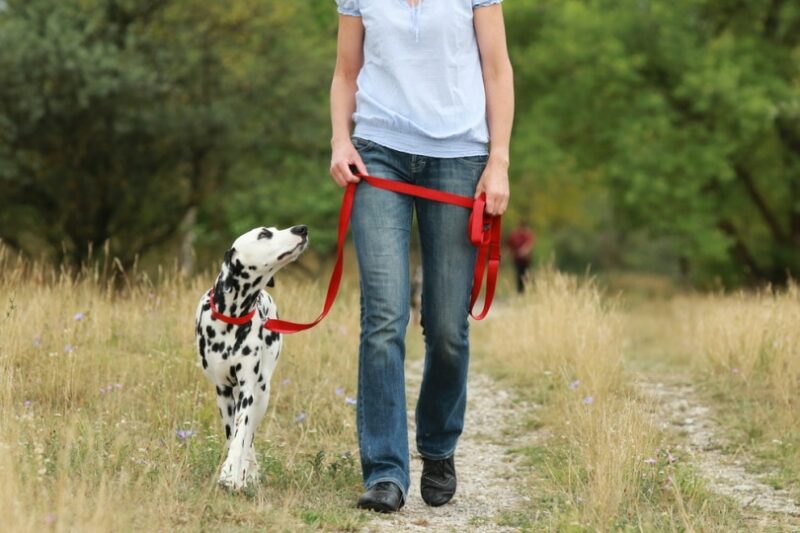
<point x="265" y="234"/>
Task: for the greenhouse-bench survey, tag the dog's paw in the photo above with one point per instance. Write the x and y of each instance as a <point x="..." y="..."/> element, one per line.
<point x="233" y="476"/>
<point x="251" y="477"/>
<point x="237" y="475"/>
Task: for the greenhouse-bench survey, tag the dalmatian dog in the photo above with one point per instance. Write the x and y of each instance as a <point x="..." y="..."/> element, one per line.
<point x="239" y="358"/>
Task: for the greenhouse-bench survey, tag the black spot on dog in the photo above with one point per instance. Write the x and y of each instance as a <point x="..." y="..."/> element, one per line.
<point x="233" y="371"/>
<point x="233" y="309"/>
<point x="227" y="392"/>
<point x="210" y="332"/>
<point x="265" y="234"/>
<point x="241" y="336"/>
<point x="205" y="363"/>
<point x="206" y="307"/>
<point x="251" y="268"/>
<point x="219" y="391"/>
<point x="256" y="281"/>
<point x="229" y="328"/>
<point x="201" y="346"/>
<point x="260" y="378"/>
<point x="241" y="382"/>
<point x="246" y="350"/>
<point x="264" y="387"/>
<point x="255" y="370"/>
<point x="227" y="431"/>
<point x="217" y="346"/>
<point x="230" y="410"/>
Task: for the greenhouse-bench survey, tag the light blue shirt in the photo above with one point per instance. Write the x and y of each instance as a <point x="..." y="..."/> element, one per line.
<point x="420" y="89"/>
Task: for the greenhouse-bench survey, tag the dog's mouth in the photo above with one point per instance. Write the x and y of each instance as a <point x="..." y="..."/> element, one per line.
<point x="297" y="250"/>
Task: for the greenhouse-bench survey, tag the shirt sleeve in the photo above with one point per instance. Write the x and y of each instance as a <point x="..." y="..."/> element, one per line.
<point x="484" y="3"/>
<point x="349" y="7"/>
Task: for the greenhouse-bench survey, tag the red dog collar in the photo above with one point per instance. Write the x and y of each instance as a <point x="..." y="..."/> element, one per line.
<point x="235" y="320"/>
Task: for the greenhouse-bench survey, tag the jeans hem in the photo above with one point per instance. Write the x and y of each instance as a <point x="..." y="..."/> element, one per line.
<point x="400" y="484"/>
<point x="436" y="457"/>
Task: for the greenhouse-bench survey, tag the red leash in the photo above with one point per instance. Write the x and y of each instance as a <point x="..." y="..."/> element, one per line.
<point x="483" y="229"/>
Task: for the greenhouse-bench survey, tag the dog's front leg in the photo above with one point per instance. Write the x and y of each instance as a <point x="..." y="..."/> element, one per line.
<point x="226" y="405"/>
<point x="237" y="470"/>
<point x="257" y="411"/>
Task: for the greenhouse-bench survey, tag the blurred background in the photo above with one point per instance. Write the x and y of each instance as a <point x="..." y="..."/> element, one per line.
<point x="654" y="139"/>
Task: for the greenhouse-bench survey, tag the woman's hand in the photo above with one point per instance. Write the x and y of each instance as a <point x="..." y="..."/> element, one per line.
<point x="494" y="182"/>
<point x="344" y="154"/>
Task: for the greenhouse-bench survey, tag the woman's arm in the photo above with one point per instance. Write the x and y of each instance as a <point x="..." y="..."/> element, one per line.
<point x="349" y="58"/>
<point x="498" y="80"/>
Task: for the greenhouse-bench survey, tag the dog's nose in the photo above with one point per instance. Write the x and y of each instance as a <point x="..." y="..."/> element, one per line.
<point x="300" y="230"/>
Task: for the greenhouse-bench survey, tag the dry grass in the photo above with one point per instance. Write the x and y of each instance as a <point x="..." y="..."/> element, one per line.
<point x="746" y="349"/>
<point x="751" y="340"/>
<point x="605" y="465"/>
<point x="96" y="383"/>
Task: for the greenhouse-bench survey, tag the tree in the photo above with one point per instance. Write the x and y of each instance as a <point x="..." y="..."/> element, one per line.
<point x="120" y="118"/>
<point x="687" y="110"/>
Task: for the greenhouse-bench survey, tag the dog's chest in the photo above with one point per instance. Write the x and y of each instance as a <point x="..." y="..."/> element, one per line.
<point x="224" y="348"/>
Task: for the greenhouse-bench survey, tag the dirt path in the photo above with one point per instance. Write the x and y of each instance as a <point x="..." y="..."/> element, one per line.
<point x="488" y="477"/>
<point x="679" y="409"/>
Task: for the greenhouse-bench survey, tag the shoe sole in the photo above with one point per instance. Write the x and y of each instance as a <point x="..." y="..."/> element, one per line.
<point x="378" y="508"/>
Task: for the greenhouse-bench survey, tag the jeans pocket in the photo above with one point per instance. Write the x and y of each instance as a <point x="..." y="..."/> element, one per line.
<point x="474" y="160"/>
<point x="361" y="144"/>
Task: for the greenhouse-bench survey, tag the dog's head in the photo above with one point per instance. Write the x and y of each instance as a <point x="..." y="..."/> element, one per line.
<point x="264" y="251"/>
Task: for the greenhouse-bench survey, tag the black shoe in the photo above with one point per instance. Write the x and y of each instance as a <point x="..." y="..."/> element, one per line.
<point x="383" y="497"/>
<point x="438" y="482"/>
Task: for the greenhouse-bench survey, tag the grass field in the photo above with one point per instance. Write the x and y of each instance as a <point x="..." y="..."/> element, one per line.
<point x="109" y="425"/>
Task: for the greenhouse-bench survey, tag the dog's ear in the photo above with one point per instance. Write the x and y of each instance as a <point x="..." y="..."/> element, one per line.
<point x="271" y="282"/>
<point x="229" y="256"/>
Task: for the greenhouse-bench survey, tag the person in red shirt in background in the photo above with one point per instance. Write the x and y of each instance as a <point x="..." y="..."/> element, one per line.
<point x="521" y="242"/>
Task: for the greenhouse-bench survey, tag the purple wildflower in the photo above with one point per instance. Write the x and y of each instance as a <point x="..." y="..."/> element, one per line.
<point x="650" y="461"/>
<point x="68" y="348"/>
<point x="80" y="315"/>
<point x="574" y="385"/>
<point x="37" y="341"/>
<point x="350" y="401"/>
<point x="301" y="417"/>
<point x="27" y="404"/>
<point x="671" y="458"/>
<point x="286" y="381"/>
<point x="50" y="519"/>
<point x="185" y="434"/>
<point x="339" y="391"/>
<point x="588" y="400"/>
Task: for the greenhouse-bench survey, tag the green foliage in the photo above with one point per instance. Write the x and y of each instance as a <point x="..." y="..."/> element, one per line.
<point x="685" y="114"/>
<point x="651" y="134"/>
<point x="118" y="118"/>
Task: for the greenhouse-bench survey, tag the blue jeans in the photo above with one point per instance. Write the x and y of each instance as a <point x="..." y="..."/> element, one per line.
<point x="381" y="225"/>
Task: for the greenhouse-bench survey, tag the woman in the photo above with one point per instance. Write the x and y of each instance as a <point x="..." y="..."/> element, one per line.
<point x="427" y="83"/>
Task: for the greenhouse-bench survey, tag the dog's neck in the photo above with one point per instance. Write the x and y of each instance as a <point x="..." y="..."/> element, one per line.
<point x="236" y="290"/>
